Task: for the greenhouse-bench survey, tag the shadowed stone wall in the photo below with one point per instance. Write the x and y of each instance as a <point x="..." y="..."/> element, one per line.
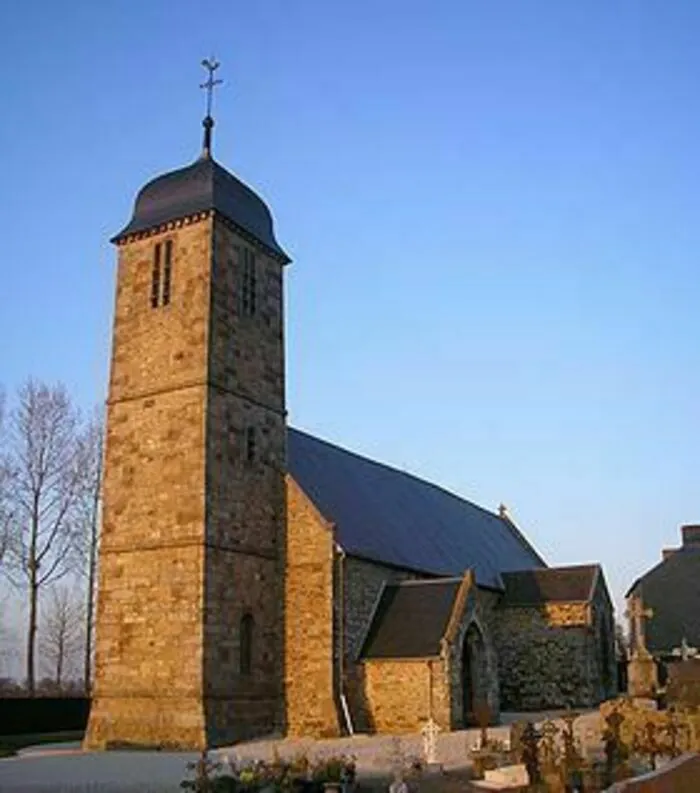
<point x="360" y="586"/>
<point x="246" y="497"/>
<point x="480" y="612"/>
<point x="553" y="655"/>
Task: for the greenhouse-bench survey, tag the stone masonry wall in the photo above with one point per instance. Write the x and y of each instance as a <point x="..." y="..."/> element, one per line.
<point x="544" y="656"/>
<point x="193" y="532"/>
<point x="361" y="585"/>
<point x="246" y="496"/>
<point x="603" y="661"/>
<point x="309" y="661"/>
<point x="479" y="612"/>
<point x="149" y="638"/>
<point x="404" y="695"/>
<point x="378" y="704"/>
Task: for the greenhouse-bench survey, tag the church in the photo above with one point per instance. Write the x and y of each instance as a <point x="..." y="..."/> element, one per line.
<point x="254" y="579"/>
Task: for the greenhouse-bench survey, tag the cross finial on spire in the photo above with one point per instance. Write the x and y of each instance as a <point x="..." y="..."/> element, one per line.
<point x="211" y="65"/>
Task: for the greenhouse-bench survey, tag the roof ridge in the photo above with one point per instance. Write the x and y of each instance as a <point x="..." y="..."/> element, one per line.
<point x="452" y="579"/>
<point x="514" y="529"/>
<point x="393" y="468"/>
<point x="678" y="552"/>
<point x="555" y="569"/>
<point x="396" y="517"/>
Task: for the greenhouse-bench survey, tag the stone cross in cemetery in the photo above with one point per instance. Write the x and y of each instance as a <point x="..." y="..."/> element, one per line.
<point x="642" y="679"/>
<point x="636" y="614"/>
<point x="430" y="733"/>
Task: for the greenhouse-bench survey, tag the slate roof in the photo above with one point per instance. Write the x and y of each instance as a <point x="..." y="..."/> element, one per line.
<point x="672" y="590"/>
<point x="411" y="618"/>
<point x="390" y="516"/>
<point x="199" y="187"/>
<point x="553" y="584"/>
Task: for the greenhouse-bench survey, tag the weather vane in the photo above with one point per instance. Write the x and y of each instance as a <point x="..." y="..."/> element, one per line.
<point x="211" y="65"/>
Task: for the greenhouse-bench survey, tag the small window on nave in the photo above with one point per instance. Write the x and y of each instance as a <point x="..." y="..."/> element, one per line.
<point x="250" y="444"/>
<point x="246" y="656"/>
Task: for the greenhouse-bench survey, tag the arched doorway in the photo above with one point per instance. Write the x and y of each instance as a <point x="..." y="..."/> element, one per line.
<point x="474" y="674"/>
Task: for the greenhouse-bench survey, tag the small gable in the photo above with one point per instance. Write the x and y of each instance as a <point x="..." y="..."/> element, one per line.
<point x="411" y="619"/>
<point x="550" y="585"/>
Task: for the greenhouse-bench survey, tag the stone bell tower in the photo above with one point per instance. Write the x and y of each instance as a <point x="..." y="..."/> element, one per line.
<point x="190" y="614"/>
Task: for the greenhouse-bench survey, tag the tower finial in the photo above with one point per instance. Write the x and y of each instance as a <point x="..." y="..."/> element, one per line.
<point x="211" y="65"/>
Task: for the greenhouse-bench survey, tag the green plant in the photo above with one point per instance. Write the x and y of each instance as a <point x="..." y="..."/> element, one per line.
<point x="207" y="777"/>
<point x="334" y="768"/>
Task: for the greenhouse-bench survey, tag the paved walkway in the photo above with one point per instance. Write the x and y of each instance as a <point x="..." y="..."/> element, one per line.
<point x="105" y="772"/>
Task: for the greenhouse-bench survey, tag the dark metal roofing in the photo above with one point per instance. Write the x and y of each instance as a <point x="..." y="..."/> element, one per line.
<point x="411" y="619"/>
<point x="672" y="591"/>
<point x="393" y="517"/>
<point x="553" y="584"/>
<point x="199" y="187"/>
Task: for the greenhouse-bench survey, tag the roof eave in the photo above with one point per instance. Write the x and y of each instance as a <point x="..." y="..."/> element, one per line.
<point x="406" y="659"/>
<point x="140" y="231"/>
<point x="420" y="571"/>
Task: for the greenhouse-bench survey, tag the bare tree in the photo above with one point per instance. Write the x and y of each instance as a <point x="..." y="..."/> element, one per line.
<point x="61" y="633"/>
<point x="5" y="484"/>
<point x="5" y="512"/>
<point x="46" y="460"/>
<point x="88" y="515"/>
<point x="7" y="639"/>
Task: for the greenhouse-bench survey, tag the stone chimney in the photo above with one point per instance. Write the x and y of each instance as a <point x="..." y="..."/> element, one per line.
<point x="691" y="536"/>
<point x="667" y="552"/>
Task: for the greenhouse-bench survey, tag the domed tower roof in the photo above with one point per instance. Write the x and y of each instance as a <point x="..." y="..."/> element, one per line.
<point x="200" y="187"/>
<point x="203" y="186"/>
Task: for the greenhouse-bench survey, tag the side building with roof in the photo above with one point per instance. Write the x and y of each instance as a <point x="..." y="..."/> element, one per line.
<point x="670" y="595"/>
<point x="405" y="602"/>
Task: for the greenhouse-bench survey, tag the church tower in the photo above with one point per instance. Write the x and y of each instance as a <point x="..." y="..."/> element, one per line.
<point x="190" y="610"/>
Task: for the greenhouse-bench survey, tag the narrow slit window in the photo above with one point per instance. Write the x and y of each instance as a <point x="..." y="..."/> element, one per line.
<point x="155" y="277"/>
<point x="246" y="656"/>
<point x="253" y="283"/>
<point x="167" y="271"/>
<point x="249" y="286"/>
<point x="250" y="442"/>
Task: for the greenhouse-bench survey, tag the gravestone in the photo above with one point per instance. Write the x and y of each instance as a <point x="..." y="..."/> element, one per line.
<point x="684" y="684"/>
<point x="642" y="676"/>
<point x="430" y="733"/>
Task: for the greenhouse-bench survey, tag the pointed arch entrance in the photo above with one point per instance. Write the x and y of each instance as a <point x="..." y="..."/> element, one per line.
<point x="474" y="674"/>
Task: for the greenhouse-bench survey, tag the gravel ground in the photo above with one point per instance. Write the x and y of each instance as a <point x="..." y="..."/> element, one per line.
<point x="77" y="772"/>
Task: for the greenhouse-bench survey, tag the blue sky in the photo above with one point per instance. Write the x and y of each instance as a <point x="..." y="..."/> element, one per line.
<point x="491" y="207"/>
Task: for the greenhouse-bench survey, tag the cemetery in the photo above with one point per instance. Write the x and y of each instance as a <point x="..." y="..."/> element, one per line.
<point x="628" y="744"/>
<point x="266" y="611"/>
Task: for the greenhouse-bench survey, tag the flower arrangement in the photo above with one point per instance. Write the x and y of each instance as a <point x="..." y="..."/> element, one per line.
<point x="298" y="775"/>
